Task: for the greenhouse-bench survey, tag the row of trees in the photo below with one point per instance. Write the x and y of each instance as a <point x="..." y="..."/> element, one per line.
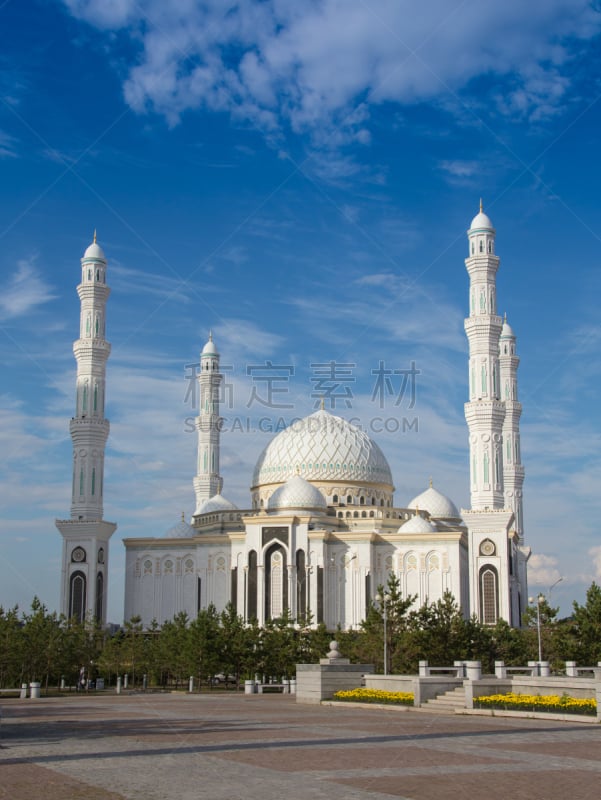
<point x="42" y="646"/>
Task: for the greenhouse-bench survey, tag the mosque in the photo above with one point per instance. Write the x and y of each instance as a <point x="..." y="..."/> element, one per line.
<point x="322" y="530"/>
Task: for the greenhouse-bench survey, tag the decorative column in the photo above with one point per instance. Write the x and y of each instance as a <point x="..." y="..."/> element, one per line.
<point x="86" y="535"/>
<point x="208" y="482"/>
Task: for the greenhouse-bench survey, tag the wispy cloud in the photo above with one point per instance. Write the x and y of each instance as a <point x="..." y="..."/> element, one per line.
<point x="320" y="67"/>
<point x="24" y="290"/>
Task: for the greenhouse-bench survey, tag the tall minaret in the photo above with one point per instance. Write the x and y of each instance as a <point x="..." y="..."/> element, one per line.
<point x="86" y="535"/>
<point x="485" y="411"/>
<point x="208" y="481"/>
<point x="513" y="471"/>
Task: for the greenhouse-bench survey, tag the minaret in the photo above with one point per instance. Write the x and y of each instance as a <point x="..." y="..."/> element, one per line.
<point x="513" y="471"/>
<point x="86" y="535"/>
<point x="485" y="411"/>
<point x="208" y="481"/>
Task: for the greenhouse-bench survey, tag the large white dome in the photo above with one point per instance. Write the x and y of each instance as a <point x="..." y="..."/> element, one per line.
<point x="215" y="503"/>
<point x="322" y="447"/>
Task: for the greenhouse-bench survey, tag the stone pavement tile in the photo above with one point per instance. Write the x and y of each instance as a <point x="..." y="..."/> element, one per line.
<point x="587" y="750"/>
<point x="349" y="757"/>
<point x="30" y="782"/>
<point x="549" y="785"/>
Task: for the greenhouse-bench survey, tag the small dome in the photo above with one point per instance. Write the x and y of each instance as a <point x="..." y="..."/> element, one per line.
<point x="216" y="503"/>
<point x="180" y="531"/>
<point x="209" y="349"/>
<point x="417" y="524"/>
<point x="297" y="493"/>
<point x="481" y="220"/>
<point x="95" y="251"/>
<point x="436" y="504"/>
<point x="507" y="331"/>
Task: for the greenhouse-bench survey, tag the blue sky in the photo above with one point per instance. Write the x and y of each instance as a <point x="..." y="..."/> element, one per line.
<point x="297" y="177"/>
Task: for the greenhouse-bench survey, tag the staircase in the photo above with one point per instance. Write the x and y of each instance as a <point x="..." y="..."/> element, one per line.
<point x="448" y="703"/>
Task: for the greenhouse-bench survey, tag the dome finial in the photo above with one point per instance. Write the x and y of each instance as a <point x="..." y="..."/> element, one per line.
<point x="322" y="405"/>
<point x="481" y="207"/>
<point x="505" y="317"/>
<point x="430" y="481"/>
<point x="94" y="235"/>
<point x="416" y="510"/>
<point x="210" y="334"/>
<point x="183" y="517"/>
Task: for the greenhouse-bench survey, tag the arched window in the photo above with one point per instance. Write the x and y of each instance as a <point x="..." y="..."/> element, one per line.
<point x="99" y="596"/>
<point x="81" y="481"/>
<point x="97" y="326"/>
<point x="361" y="501"/>
<point x="483" y="378"/>
<point x="84" y="399"/>
<point x="95" y="397"/>
<point x="489" y="597"/>
<point x="481" y="246"/>
<point x="93" y="480"/>
<point x="349" y="499"/>
<point x="486" y="468"/>
<point x="490" y="245"/>
<point x="251" y="589"/>
<point x="88" y="325"/>
<point x="335" y="498"/>
<point x="77" y="596"/>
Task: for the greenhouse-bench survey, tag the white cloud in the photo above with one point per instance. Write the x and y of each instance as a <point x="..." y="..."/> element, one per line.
<point x="595" y="554"/>
<point x="7" y="146"/>
<point x="543" y="570"/>
<point x="320" y="66"/>
<point x="24" y="290"/>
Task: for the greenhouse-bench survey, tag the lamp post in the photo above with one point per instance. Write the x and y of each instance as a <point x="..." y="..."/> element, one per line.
<point x="383" y="601"/>
<point x="538" y="600"/>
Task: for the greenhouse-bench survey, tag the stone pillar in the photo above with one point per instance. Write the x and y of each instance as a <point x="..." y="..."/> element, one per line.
<point x="317" y="682"/>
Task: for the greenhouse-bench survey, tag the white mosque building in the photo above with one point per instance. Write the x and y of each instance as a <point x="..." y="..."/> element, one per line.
<point x="322" y="530"/>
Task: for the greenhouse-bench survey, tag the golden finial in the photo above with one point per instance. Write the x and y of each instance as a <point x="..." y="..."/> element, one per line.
<point x="210" y="334"/>
<point x="323" y="404"/>
<point x="505" y="317"/>
<point x="481" y="209"/>
<point x="430" y="481"/>
<point x="94" y="235"/>
<point x="416" y="510"/>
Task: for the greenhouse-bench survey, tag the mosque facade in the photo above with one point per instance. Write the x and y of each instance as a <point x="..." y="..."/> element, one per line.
<point x="322" y="530"/>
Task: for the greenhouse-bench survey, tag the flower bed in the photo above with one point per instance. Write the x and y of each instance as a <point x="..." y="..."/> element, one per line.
<point x="375" y="696"/>
<point x="551" y="703"/>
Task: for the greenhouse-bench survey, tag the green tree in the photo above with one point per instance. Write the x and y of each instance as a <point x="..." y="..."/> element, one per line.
<point x="11" y="648"/>
<point x="367" y="646"/>
<point x="439" y="633"/>
<point x="205" y="644"/>
<point x="586" y="627"/>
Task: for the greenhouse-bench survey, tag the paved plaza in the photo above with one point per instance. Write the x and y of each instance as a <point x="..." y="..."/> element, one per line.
<point x="228" y="746"/>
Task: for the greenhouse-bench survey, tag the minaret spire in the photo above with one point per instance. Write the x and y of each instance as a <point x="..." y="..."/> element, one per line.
<point x="484" y="412"/>
<point x="208" y="482"/>
<point x="86" y="535"/>
<point x="513" y="471"/>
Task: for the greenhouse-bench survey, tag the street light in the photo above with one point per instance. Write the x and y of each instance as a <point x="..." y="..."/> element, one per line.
<point x="538" y="600"/>
<point x="383" y="601"/>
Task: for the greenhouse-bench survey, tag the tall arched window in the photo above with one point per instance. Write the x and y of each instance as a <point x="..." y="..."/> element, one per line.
<point x="95" y="397"/>
<point x="486" y="468"/>
<point x="77" y="596"/>
<point x="489" y="596"/>
<point x="251" y="589"/>
<point x="99" y="596"/>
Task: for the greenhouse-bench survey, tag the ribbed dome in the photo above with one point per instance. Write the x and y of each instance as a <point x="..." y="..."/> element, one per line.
<point x="180" y="531"/>
<point x="296" y="493"/>
<point x="507" y="331"/>
<point x="322" y="447"/>
<point x="417" y="524"/>
<point x="216" y="503"/>
<point x="436" y="504"/>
